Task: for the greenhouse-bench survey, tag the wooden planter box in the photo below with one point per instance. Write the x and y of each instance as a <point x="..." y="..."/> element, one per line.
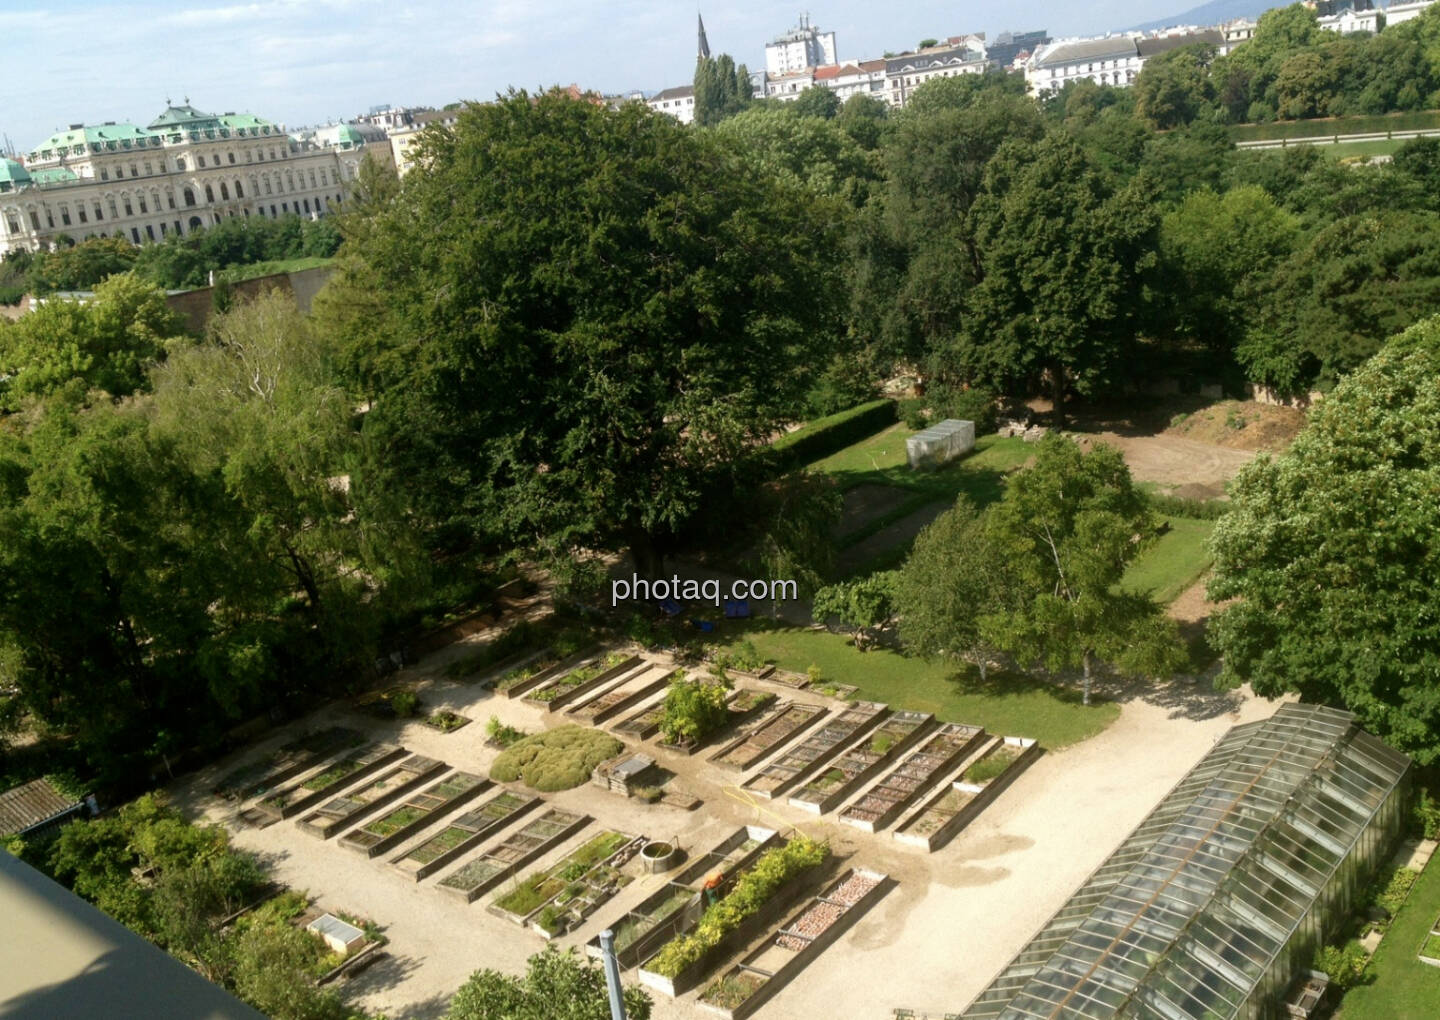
<point x="508" y="867"/>
<point x="748" y="930"/>
<point x="624" y="705"/>
<point x="815" y="714"/>
<point x="482" y="829"/>
<point x="545" y="675"/>
<point x="967" y="738"/>
<point x="983" y="795"/>
<point x="828" y="800"/>
<point x="527" y="919"/>
<point x="788" y="776"/>
<point x="372" y="759"/>
<point x="776" y="981"/>
<point x="358" y="841"/>
<point x="419" y="768"/>
<point x="579" y="691"/>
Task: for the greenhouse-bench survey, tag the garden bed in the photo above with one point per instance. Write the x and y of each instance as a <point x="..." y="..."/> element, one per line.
<point x="359" y="803"/>
<point x="747" y="906"/>
<point x="397" y="825"/>
<point x="286" y="762"/>
<point x="949" y="811"/>
<point x="645" y="723"/>
<point x="621" y="697"/>
<point x="598" y="858"/>
<point x="471" y="881"/>
<point x="808" y="757"/>
<point x="446" y="721"/>
<point x="862" y="762"/>
<point x="938" y="754"/>
<point x="539" y="669"/>
<point x="812" y="929"/>
<point x="463" y="834"/>
<point x="677" y="906"/>
<point x="786" y="722"/>
<point x="335" y="776"/>
<point x="574" y="684"/>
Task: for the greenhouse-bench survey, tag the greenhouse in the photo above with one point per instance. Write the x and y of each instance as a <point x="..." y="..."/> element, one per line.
<point x="1223" y="893"/>
<point x="941" y="442"/>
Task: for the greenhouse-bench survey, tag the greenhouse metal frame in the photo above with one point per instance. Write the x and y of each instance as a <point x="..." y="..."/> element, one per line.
<point x="1223" y="893"/>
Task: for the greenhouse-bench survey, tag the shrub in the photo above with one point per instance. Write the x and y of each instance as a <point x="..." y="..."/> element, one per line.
<point x="912" y="413"/>
<point x="404" y="703"/>
<point x="1196" y="509"/>
<point x="1347" y="967"/>
<point x="1392" y="897"/>
<point x="512" y="641"/>
<point x="977" y="405"/>
<point x="827" y="435"/>
<point x="772" y="870"/>
<point x="558" y="759"/>
<point x="1426" y="815"/>
<point x="745" y="656"/>
<point x="694" y="709"/>
<point x="502" y="734"/>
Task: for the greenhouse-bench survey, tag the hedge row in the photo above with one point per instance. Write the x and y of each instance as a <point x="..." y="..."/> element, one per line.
<point x="1196" y="509"/>
<point x="831" y="434"/>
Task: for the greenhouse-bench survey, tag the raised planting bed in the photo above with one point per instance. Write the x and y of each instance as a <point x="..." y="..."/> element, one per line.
<point x="363" y="801"/>
<point x="419" y="809"/>
<point x="446" y="721"/>
<point x="785" y="678"/>
<point x="560" y="897"/>
<point x="677" y="906"/>
<point x="541" y="834"/>
<point x="330" y="780"/>
<point x="636" y="688"/>
<point x="807" y="758"/>
<point x="863" y="761"/>
<point x="943" y="815"/>
<point x="537" y="670"/>
<point x="786" y="722"/>
<point x="574" y="684"/>
<point x="645" y="723"/>
<point x="918" y="772"/>
<point x="463" y="834"/>
<point x="286" y="762"/>
<point x="747" y="907"/>
<point x="805" y="935"/>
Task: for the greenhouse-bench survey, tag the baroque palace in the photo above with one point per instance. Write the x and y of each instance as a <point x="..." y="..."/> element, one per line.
<point x="185" y="171"/>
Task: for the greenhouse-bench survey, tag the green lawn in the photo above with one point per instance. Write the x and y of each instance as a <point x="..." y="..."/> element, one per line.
<point x="1357" y="125"/>
<point x="1174" y="562"/>
<point x="1008" y="705"/>
<point x="1347" y="150"/>
<point x="1404" y="988"/>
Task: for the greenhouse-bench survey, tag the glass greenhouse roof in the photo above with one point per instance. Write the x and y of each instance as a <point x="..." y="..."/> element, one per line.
<point x="1182" y="921"/>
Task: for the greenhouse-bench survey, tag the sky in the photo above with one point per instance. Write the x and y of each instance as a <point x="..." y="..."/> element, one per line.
<point x="306" y="62"/>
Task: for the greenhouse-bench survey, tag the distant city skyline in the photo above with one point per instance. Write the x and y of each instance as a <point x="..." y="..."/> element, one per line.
<point x="311" y="61"/>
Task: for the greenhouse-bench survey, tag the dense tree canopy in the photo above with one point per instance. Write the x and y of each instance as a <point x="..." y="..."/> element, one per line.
<point x="1330" y="551"/>
<point x="557" y="986"/>
<point x="601" y="313"/>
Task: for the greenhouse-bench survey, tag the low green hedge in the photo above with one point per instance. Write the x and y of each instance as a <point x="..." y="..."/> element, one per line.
<point x="558" y="759"/>
<point x="772" y="870"/>
<point x="1195" y="509"/>
<point x="831" y="434"/>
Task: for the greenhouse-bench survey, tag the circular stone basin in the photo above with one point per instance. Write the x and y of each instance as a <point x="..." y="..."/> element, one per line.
<point x="658" y="856"/>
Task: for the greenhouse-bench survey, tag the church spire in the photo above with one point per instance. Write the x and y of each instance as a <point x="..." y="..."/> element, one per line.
<point x="704" y="53"/>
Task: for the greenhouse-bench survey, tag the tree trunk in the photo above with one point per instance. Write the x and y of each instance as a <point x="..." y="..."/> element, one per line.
<point x="645" y="551"/>
<point x="980" y="662"/>
<point x="1057" y="393"/>
<point x="1085" y="688"/>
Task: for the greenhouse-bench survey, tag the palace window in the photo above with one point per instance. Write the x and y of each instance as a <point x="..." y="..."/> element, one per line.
<point x="104" y="174"/>
<point x="149" y="169"/>
<point x="13" y="224"/>
<point x="200" y="161"/>
<point x="169" y="197"/>
<point x="134" y="170"/>
<point x="209" y="193"/>
<point x="150" y="231"/>
<point x="34" y="220"/>
<point x="98" y="217"/>
<point x="224" y="191"/>
<point x="239" y="191"/>
<point x="141" y="200"/>
<point x="128" y="210"/>
<point x="266" y="182"/>
<point x="81" y="210"/>
<point x="232" y="156"/>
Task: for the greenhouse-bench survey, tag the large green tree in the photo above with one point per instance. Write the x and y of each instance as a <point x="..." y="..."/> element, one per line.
<point x="1067" y="527"/>
<point x="1064" y="261"/>
<point x="600" y="313"/>
<point x="954" y="577"/>
<point x="721" y="89"/>
<point x="1330" y="553"/>
<point x="1174" y="87"/>
<point x="557" y="986"/>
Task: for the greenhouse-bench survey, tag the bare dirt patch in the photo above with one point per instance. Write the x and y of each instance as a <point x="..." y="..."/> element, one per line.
<point x="1173" y="462"/>
<point x="902" y="531"/>
<point x="1240" y="425"/>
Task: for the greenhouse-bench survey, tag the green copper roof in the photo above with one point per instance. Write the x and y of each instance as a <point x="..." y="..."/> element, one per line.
<point x="184" y="117"/>
<point x="53" y="175"/>
<point x="245" y="121"/>
<point x="12" y="172"/>
<point x="77" y="141"/>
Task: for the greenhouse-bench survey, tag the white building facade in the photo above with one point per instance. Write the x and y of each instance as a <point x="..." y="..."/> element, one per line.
<point x="907" y="72"/>
<point x="185" y="171"/>
<point x="678" y="102"/>
<point x="801" y="47"/>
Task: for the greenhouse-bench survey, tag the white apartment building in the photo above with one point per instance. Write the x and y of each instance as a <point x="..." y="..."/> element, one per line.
<point x="1113" y="60"/>
<point x="786" y="87"/>
<point x="184" y="171"/>
<point x="865" y="78"/>
<point x="678" y="102"/>
<point x="801" y="47"/>
<point x="908" y="71"/>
